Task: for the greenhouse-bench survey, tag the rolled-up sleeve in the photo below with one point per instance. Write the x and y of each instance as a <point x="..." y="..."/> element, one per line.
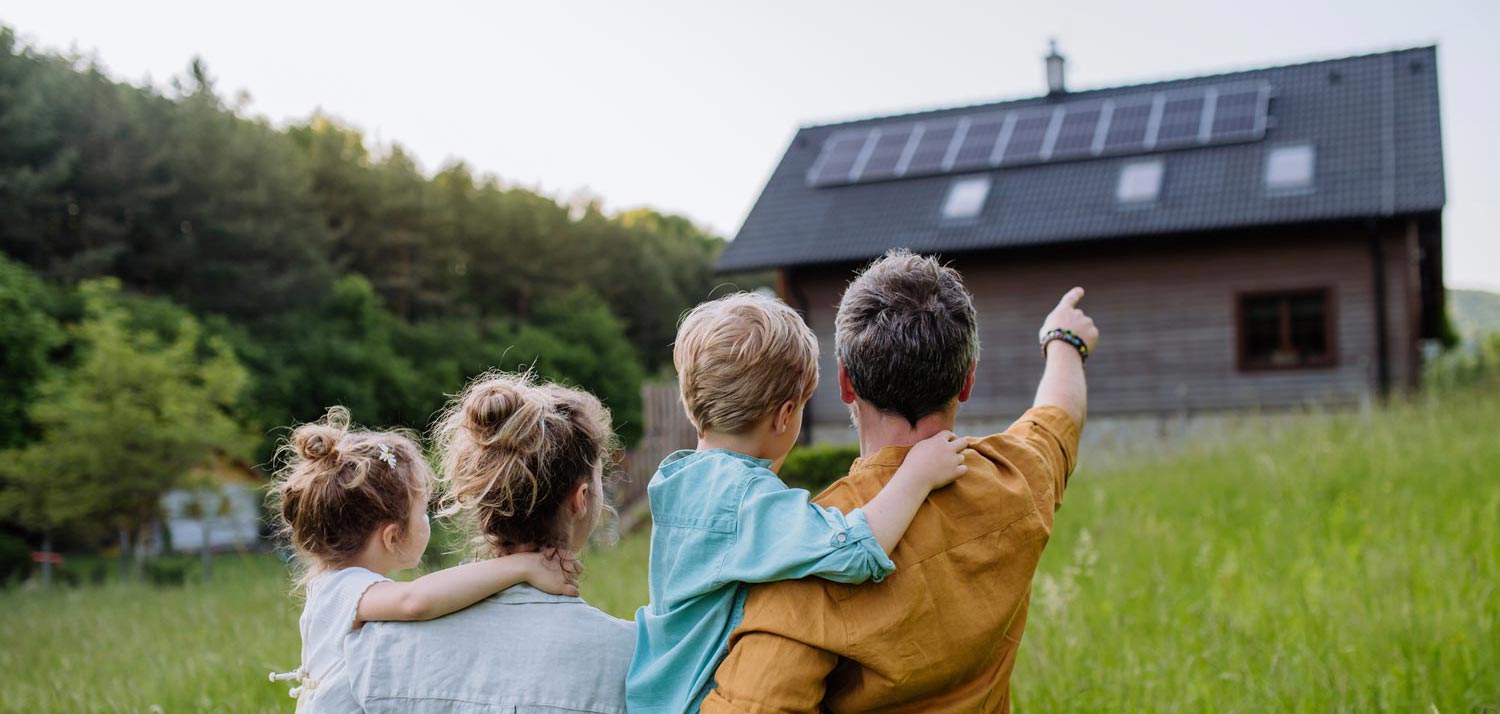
<point x="1049" y="437"/>
<point x="782" y="535"/>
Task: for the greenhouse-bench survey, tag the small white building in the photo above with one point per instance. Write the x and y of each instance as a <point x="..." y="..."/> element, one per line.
<point x="223" y="513"/>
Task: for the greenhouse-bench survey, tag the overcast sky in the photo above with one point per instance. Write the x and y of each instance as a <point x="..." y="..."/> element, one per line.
<point x="686" y="106"/>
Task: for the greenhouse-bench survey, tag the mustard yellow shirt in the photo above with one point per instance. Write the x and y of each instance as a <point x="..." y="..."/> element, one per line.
<point x="941" y="633"/>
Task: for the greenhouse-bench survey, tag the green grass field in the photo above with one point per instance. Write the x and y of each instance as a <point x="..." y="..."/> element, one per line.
<point x="1332" y="563"/>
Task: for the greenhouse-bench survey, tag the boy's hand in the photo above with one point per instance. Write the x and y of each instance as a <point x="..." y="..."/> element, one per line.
<point x="1067" y="316"/>
<point x="553" y="572"/>
<point x="936" y="461"/>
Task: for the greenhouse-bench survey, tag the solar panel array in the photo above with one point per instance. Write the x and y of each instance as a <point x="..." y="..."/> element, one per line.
<point x="1131" y="124"/>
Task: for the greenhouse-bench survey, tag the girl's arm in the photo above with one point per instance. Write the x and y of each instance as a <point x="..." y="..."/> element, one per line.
<point x="931" y="464"/>
<point x="447" y="591"/>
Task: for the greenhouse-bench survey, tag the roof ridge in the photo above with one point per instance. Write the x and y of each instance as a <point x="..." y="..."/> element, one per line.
<point x="1116" y="87"/>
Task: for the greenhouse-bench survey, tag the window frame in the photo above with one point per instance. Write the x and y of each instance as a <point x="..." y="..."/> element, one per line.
<point x="1290" y="189"/>
<point x="1329" y="357"/>
<point x="1159" y="163"/>
<point x="953" y="187"/>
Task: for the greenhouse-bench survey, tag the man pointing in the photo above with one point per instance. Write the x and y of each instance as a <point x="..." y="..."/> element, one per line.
<point x="941" y="633"/>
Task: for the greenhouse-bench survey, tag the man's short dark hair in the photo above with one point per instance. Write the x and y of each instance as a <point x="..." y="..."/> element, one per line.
<point x="907" y="334"/>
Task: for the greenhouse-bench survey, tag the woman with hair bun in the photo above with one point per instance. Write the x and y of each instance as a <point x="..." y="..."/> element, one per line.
<point x="523" y="465"/>
<point x="353" y="504"/>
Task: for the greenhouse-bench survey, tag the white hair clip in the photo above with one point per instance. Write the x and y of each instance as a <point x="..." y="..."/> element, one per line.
<point x="387" y="455"/>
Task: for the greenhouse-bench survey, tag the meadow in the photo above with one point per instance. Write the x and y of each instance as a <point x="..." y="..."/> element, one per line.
<point x="1345" y="562"/>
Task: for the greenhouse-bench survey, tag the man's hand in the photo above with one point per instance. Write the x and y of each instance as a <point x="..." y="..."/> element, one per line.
<point x="1063" y="384"/>
<point x="1067" y="316"/>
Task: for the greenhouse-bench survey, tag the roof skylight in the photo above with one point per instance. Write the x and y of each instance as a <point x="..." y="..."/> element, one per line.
<point x="966" y="197"/>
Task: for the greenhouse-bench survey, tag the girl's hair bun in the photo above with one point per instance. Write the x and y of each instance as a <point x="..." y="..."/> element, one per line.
<point x="320" y="440"/>
<point x="340" y="483"/>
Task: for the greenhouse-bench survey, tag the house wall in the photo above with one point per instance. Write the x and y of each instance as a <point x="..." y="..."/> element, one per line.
<point x="232" y="519"/>
<point x="1167" y="315"/>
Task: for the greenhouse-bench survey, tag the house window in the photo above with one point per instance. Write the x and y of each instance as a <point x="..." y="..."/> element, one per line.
<point x="1290" y="168"/>
<point x="1286" y="330"/>
<point x="1140" y="181"/>
<point x="966" y="197"/>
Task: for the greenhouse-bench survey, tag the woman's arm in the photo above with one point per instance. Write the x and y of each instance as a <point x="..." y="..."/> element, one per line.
<point x="447" y="591"/>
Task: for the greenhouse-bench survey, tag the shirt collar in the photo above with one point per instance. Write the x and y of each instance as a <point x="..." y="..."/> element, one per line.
<point x="523" y="593"/>
<point x="890" y="456"/>
<point x="678" y="460"/>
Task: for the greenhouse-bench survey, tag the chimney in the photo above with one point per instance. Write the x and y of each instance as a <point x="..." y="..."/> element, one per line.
<point x="1055" y="66"/>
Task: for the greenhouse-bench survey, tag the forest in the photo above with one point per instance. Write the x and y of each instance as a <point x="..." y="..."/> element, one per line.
<point x="182" y="279"/>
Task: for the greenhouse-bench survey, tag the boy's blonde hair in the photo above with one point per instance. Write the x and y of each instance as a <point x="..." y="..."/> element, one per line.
<point x="740" y="357"/>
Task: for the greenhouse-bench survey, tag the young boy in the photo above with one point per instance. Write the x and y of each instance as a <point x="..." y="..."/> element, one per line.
<point x="747" y="365"/>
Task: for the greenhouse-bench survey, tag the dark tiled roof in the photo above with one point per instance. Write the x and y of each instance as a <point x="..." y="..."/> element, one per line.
<point x="1373" y="121"/>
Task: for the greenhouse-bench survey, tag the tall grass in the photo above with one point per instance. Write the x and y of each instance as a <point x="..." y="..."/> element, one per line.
<point x="133" y="647"/>
<point x="197" y="648"/>
<point x="1345" y="563"/>
<point x="1332" y="563"/>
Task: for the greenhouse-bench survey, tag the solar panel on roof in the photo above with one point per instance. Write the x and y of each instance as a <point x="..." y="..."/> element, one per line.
<point x="1238" y="114"/>
<point x="1026" y="140"/>
<point x="838" y="157"/>
<point x="1075" y="137"/>
<point x="978" y="142"/>
<point x="1130" y="124"/>
<point x="932" y="148"/>
<point x="1127" y="127"/>
<point x="887" y="152"/>
<point x="1181" y="120"/>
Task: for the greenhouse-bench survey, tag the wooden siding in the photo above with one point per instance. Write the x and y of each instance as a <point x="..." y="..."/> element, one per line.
<point x="1166" y="310"/>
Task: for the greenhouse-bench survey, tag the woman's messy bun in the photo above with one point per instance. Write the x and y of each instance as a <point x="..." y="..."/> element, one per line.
<point x="506" y="412"/>
<point x="512" y="451"/>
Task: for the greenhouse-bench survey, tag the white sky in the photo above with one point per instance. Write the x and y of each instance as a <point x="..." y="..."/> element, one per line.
<point x="687" y="106"/>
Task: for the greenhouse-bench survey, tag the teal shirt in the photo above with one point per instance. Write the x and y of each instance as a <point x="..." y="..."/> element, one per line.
<point x="720" y="520"/>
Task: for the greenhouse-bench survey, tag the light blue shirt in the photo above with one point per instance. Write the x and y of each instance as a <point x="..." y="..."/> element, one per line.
<point x="522" y="651"/>
<point x="721" y="520"/>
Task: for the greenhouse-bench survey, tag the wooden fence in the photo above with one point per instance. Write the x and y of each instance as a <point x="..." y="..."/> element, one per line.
<point x="667" y="429"/>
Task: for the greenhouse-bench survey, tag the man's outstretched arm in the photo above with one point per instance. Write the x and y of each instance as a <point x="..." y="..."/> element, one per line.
<point x="1063" y="384"/>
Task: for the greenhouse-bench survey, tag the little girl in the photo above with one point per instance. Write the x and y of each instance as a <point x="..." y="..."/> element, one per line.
<point x="354" y="505"/>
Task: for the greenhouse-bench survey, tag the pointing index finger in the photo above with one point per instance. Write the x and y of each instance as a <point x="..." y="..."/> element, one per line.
<point x="1072" y="297"/>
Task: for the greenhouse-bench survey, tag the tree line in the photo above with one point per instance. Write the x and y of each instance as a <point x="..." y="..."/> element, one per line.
<point x="180" y="278"/>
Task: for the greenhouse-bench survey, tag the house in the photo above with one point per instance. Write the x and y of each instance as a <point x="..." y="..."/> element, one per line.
<point x="1256" y="240"/>
<point x="223" y="512"/>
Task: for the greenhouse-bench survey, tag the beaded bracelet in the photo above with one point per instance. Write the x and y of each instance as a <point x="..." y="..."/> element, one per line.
<point x="1066" y="336"/>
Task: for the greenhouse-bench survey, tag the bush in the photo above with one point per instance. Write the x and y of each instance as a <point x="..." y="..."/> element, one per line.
<point x="172" y="571"/>
<point x="93" y="571"/>
<point x="815" y="467"/>
<point x="15" y="559"/>
<point x="1467" y="368"/>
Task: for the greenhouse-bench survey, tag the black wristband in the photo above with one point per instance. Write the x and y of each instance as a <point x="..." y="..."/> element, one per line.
<point x="1066" y="336"/>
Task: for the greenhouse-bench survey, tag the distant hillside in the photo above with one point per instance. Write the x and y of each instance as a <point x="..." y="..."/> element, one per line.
<point x="1474" y="312"/>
